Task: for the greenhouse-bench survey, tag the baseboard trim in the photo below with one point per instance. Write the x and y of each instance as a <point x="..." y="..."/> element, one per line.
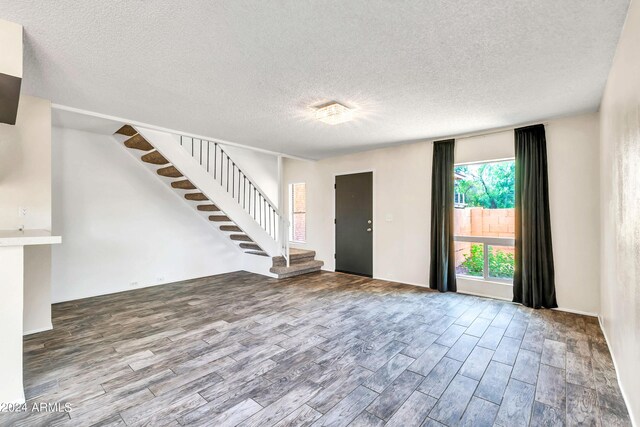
<point x="421" y="285"/>
<point x="260" y="273"/>
<point x="35" y="331"/>
<point x="119" y="291"/>
<point x="477" y="294"/>
<point x="615" y="366"/>
<point x="570" y="310"/>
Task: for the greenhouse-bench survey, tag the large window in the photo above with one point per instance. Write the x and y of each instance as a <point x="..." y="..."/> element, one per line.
<point x="484" y="220"/>
<point x="298" y="203"/>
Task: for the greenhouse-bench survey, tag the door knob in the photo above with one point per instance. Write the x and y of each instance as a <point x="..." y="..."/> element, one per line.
<point x="368" y="229"/>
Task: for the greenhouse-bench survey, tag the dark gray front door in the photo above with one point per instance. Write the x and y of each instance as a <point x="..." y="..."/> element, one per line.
<point x="354" y="223"/>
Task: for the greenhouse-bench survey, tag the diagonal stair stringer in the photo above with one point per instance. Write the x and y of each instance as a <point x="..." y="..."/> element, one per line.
<point x="168" y="145"/>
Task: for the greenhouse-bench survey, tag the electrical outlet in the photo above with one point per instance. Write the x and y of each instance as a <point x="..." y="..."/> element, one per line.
<point x="133" y="284"/>
<point x="22" y="212"/>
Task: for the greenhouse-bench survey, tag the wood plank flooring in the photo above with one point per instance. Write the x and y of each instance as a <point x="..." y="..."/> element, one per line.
<point x="324" y="349"/>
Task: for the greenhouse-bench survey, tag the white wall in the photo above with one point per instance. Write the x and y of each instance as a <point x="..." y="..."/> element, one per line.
<point x="402" y="189"/>
<point x="122" y="224"/>
<point x="485" y="148"/>
<point x="620" y="207"/>
<point x="574" y="197"/>
<point x="25" y="182"/>
<point x="37" y="289"/>
<point x="25" y="166"/>
<point x="11" y="58"/>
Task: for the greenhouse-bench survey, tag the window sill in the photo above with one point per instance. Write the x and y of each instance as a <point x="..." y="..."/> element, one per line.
<point x="485" y="288"/>
<point x="482" y="280"/>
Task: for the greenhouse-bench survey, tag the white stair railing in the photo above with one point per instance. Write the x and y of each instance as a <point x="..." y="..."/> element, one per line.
<point x="244" y="190"/>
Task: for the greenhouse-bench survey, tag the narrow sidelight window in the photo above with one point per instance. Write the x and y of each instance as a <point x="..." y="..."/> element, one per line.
<point x="298" y="214"/>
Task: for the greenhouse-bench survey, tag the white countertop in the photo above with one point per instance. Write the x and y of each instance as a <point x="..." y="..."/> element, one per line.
<point x="27" y="237"/>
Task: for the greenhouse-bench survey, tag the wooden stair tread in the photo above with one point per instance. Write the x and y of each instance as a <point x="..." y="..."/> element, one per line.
<point x="155" y="158"/>
<point x="296" y="256"/>
<point x="301" y="261"/>
<point x="259" y="253"/>
<point x="208" y="208"/>
<point x="137" y="142"/>
<point x="195" y="196"/>
<point x="250" y="246"/>
<point x="126" y="130"/>
<point x="185" y="184"/>
<point x="306" y="262"/>
<point x="169" y="171"/>
<point x="301" y="252"/>
<point x="297" y="269"/>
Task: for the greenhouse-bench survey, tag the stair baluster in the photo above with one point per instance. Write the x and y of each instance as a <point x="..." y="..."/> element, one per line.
<point x="240" y="186"/>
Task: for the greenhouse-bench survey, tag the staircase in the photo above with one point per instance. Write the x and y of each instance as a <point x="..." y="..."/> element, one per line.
<point x="214" y="185"/>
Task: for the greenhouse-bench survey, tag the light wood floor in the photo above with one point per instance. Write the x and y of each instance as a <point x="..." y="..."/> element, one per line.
<point x="321" y="349"/>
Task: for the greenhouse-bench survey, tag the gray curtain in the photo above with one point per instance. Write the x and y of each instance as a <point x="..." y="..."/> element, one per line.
<point x="442" y="274"/>
<point x="533" y="281"/>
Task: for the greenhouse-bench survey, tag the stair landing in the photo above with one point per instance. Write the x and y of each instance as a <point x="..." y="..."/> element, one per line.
<point x="302" y="261"/>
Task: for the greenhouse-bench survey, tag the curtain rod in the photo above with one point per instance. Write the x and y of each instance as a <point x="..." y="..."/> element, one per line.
<point x="490" y="132"/>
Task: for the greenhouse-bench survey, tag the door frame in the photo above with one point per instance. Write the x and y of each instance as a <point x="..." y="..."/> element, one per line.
<point x="373" y="214"/>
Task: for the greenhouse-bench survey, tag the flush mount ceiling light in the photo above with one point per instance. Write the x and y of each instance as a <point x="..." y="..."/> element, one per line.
<point x="333" y="113"/>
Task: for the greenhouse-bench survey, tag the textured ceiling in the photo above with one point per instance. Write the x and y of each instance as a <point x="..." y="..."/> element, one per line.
<point x="247" y="71"/>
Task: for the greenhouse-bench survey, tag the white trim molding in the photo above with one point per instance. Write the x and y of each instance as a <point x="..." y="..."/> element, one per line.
<point x="570" y="310"/>
<point x="625" y="397"/>
<point x="35" y="331"/>
<point x="136" y="123"/>
<point x="477" y="294"/>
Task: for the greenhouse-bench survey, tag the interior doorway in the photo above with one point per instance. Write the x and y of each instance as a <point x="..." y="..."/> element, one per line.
<point x="354" y="223"/>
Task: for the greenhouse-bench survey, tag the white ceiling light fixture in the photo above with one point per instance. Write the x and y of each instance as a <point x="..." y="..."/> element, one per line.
<point x="333" y="113"/>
